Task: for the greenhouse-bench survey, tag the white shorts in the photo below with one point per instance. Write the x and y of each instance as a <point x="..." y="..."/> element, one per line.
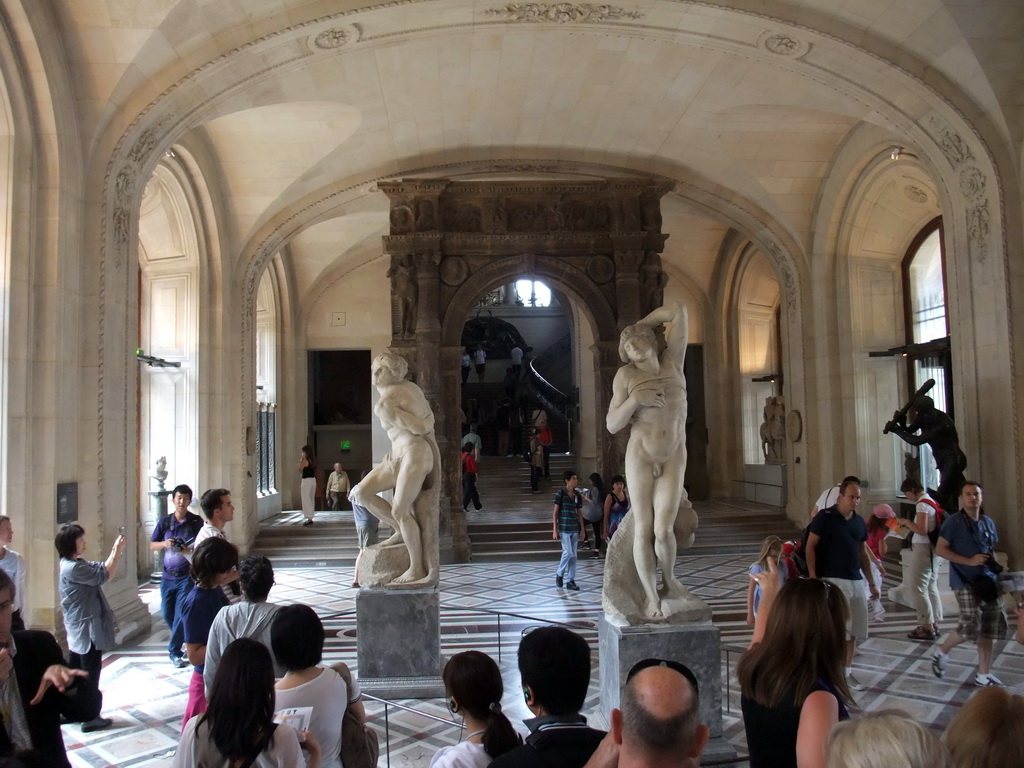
<point x="857" y="626"/>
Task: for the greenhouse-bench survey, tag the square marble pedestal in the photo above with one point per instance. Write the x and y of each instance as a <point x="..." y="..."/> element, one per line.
<point x="698" y="646"/>
<point x="398" y="642"/>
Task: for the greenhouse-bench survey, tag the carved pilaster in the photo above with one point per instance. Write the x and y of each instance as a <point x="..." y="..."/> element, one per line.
<point x="451" y="430"/>
<point x="609" y="447"/>
<point x="627" y="286"/>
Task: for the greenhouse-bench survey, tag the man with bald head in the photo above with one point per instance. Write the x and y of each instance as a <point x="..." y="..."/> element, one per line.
<point x="658" y="725"/>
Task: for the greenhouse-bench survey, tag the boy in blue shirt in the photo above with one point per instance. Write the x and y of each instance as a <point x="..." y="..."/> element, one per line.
<point x="566" y="525"/>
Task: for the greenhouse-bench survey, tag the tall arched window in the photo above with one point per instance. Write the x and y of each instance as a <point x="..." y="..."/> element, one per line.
<point x="266" y="388"/>
<point x="927" y="329"/>
<point x="532" y="293"/>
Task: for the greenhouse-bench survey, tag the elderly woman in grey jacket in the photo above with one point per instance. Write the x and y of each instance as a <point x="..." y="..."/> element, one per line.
<point x="88" y="620"/>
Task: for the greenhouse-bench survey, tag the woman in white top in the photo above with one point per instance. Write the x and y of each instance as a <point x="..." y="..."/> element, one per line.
<point x="238" y="726"/>
<point x="297" y="638"/>
<point x="923" y="573"/>
<point x="472" y="683"/>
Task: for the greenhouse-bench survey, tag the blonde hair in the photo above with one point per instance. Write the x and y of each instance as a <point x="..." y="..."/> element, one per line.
<point x="986" y="732"/>
<point x="770" y="544"/>
<point x="884" y="739"/>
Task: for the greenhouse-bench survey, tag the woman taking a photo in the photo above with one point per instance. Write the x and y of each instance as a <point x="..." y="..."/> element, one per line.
<point x="88" y="620"/>
<point x="472" y="683"/>
<point x="792" y="685"/>
<point x="307" y="485"/>
<point x="238" y="727"/>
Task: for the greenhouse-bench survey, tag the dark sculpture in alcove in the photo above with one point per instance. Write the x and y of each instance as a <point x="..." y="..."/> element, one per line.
<point x="496" y="336"/>
<point x="935" y="428"/>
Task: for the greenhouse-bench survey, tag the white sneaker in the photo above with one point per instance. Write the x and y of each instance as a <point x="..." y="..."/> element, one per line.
<point x="988" y="679"/>
<point x="854" y="684"/>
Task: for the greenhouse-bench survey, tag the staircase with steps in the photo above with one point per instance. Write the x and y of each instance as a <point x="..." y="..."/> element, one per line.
<point x="514" y="524"/>
<point x="330" y="542"/>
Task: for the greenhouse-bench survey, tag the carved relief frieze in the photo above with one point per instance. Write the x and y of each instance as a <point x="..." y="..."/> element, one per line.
<point x="454" y="270"/>
<point x="652" y="283"/>
<point x="523" y="168"/>
<point x="915" y="194"/>
<point x="402" y="219"/>
<point x="426" y="215"/>
<point x="783" y="44"/>
<point x="601" y="269"/>
<point x="972" y="183"/>
<point x="627" y="263"/>
<point x="427" y="261"/>
<point x="461" y="216"/>
<point x="953" y="146"/>
<point x="330" y="39"/>
<point x="562" y="13"/>
<point x="497" y="218"/>
<point x="122" y="233"/>
<point x="978" y="225"/>
<point x="788" y="278"/>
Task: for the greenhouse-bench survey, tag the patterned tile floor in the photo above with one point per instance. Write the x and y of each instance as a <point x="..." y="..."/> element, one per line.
<point x="146" y="696"/>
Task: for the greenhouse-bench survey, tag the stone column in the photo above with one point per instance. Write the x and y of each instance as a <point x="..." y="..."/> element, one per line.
<point x="628" y="256"/>
<point x="451" y="431"/>
<point x="609" y="447"/>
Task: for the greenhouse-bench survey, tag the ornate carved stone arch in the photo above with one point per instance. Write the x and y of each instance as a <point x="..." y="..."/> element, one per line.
<point x="597" y="240"/>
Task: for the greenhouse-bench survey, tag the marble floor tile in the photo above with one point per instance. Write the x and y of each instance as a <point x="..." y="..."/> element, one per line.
<point x="487" y="606"/>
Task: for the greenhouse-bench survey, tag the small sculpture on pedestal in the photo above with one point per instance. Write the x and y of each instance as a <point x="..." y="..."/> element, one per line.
<point x="159" y="472"/>
<point x="935" y="428"/>
<point x="773" y="430"/>
<point x="649" y="393"/>
<point x="412" y="470"/>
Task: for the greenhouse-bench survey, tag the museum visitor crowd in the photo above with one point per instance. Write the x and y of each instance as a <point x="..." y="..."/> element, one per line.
<point x="255" y="662"/>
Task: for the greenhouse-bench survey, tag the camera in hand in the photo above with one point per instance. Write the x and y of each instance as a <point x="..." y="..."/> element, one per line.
<point x="178" y="545"/>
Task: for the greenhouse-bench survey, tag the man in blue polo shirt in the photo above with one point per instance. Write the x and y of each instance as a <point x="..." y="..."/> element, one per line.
<point x="967" y="540"/>
<point x="837" y="551"/>
<point x="174" y="535"/>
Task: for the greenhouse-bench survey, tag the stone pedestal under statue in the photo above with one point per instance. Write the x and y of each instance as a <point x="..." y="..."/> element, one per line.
<point x="697" y="645"/>
<point x="398" y="642"/>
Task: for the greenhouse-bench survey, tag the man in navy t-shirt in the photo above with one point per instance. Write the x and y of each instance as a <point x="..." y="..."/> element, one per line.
<point x="174" y="536"/>
<point x="837" y="551"/>
<point x="967" y="540"/>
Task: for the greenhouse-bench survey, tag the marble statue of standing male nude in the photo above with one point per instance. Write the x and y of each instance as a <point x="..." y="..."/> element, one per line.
<point x="409" y="467"/>
<point x="650" y="393"/>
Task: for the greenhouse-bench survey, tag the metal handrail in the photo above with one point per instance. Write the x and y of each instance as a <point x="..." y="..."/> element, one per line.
<point x="388" y="703"/>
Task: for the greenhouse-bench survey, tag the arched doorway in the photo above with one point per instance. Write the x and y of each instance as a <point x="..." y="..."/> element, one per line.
<point x="598" y="241"/>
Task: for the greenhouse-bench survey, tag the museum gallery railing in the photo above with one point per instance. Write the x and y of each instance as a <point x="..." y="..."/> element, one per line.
<point x="388" y="704"/>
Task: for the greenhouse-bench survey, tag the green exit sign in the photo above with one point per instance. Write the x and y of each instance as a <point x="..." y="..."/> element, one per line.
<point x="346" y="445"/>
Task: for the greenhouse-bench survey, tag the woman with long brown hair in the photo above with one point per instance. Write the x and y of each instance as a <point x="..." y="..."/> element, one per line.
<point x="792" y="685"/>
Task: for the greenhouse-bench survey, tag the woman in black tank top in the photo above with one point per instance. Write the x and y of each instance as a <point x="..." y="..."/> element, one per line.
<point x="307" y="485"/>
<point x="792" y="685"/>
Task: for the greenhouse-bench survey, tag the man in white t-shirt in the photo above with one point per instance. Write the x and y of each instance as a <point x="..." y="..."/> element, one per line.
<point x="830" y="495"/>
<point x="480" y="361"/>
<point x="219" y="511"/>
<point x="517" y="360"/>
<point x="923" y="573"/>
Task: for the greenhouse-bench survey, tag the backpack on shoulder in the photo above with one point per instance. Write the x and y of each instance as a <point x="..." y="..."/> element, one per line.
<point x="359" y="744"/>
<point x="933" y="534"/>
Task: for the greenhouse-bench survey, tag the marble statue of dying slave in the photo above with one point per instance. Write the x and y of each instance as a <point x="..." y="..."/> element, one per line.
<point x="649" y="393"/>
<point x="412" y="470"/>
